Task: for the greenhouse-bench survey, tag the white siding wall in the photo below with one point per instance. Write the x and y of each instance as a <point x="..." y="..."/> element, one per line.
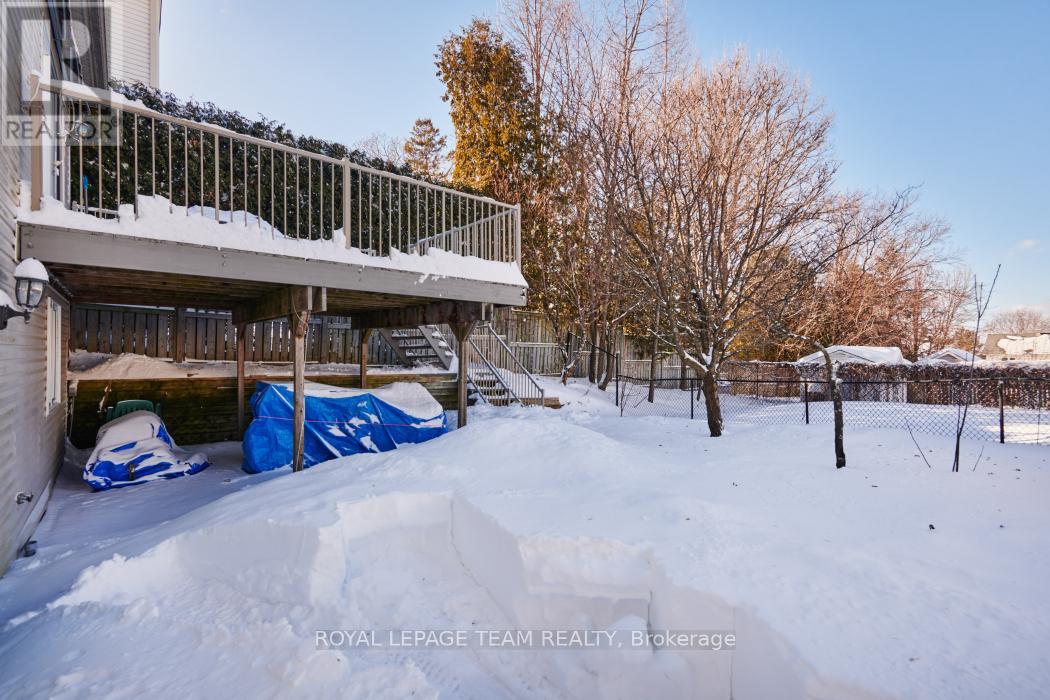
<point x="31" y="443"/>
<point x="134" y="27"/>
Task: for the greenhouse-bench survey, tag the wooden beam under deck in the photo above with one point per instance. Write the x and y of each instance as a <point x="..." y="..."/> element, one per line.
<point x="420" y="314"/>
<point x="90" y="285"/>
<point x="285" y="301"/>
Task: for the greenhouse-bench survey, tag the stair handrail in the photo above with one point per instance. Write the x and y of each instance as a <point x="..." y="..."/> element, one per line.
<point x="493" y="369"/>
<point x="509" y="353"/>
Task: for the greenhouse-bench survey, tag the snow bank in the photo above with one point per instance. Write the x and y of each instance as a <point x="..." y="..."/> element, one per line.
<point x="158" y="219"/>
<point x="351" y="560"/>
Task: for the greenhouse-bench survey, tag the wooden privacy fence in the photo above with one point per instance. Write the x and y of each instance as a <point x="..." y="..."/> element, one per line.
<point x="193" y="334"/>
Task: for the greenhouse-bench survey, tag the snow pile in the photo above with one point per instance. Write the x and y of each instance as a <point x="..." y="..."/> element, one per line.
<point x="158" y="219"/>
<point x="1021" y="345"/>
<point x="868" y="354"/>
<point x="884" y="579"/>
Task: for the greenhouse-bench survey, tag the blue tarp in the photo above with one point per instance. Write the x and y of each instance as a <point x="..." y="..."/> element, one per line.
<point x="339" y="422"/>
<point x="135" y="449"/>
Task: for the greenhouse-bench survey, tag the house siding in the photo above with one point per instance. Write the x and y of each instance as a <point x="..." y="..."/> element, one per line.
<point x="31" y="440"/>
<point x="134" y="41"/>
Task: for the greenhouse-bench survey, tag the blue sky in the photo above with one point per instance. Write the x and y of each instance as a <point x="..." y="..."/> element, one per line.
<point x="953" y="97"/>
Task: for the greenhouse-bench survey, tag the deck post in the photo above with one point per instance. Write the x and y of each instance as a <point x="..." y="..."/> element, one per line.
<point x="242" y="341"/>
<point x="517" y="234"/>
<point x="299" y="322"/>
<point x="346" y="202"/>
<point x="462" y="331"/>
<point x="362" y="355"/>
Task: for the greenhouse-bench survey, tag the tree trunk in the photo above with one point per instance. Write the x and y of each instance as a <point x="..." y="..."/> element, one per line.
<point x="836" y="402"/>
<point x="652" y="372"/>
<point x="683" y="376"/>
<point x="610" y="363"/>
<point x="592" y="355"/>
<point x="570" y="359"/>
<point x="709" y="385"/>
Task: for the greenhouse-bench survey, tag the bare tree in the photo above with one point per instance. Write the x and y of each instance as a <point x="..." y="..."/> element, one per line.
<point x="384" y="147"/>
<point x="586" y="63"/>
<point x="788" y="302"/>
<point x="724" y="182"/>
<point x="1020" y="321"/>
<point x="982" y="298"/>
<point x="898" y="287"/>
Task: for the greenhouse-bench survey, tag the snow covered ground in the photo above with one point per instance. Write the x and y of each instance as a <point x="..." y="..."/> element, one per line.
<point x="1021" y="425"/>
<point x="885" y="579"/>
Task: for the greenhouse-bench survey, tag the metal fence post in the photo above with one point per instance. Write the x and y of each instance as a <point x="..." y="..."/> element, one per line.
<point x="692" y="409"/>
<point x="1002" y="412"/>
<point x="805" y="395"/>
<point x="617" y="370"/>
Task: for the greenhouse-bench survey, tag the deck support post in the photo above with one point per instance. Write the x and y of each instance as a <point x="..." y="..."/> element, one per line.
<point x="299" y="322"/>
<point x="462" y="331"/>
<point x="362" y="355"/>
<point x="242" y="341"/>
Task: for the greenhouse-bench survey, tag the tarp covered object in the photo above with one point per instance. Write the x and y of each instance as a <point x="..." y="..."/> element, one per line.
<point x="135" y="449"/>
<point x="339" y="422"/>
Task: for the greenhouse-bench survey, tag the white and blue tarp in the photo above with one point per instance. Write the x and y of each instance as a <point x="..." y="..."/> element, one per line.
<point x="339" y="422"/>
<point x="136" y="449"/>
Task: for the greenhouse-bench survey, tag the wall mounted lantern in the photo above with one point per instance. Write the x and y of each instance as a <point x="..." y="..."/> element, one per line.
<point x="30" y="278"/>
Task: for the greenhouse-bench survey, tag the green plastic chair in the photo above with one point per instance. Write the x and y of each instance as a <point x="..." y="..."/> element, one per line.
<point x="123" y="408"/>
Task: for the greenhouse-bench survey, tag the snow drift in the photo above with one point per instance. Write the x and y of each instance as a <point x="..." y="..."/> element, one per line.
<point x="208" y="597"/>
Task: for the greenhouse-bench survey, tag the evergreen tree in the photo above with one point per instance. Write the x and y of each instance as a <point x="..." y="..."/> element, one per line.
<point x="425" y="149"/>
<point x="488" y="94"/>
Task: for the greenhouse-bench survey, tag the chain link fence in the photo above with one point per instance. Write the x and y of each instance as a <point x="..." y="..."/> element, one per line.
<point x="1012" y="410"/>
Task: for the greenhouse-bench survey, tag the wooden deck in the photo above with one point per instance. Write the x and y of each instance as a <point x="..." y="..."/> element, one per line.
<point x="118" y="269"/>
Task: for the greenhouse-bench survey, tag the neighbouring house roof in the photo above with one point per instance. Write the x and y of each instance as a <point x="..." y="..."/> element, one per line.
<point x="862" y="354"/>
<point x="1017" y="345"/>
<point x="947" y="355"/>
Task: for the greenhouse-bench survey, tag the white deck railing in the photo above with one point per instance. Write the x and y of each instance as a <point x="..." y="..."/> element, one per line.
<point x="108" y="151"/>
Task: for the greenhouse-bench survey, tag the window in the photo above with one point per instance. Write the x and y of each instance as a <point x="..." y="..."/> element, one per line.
<point x="54" y="355"/>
